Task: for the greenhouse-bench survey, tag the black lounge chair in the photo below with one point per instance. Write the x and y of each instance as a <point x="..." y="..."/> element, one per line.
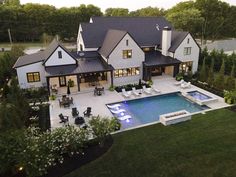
<point x="79" y="120"/>
<point x="75" y="112"/>
<point x="87" y="112"/>
<point x="63" y="119"/>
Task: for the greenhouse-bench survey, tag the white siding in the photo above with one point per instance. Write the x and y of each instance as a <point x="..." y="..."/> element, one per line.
<point x="194" y="56"/>
<point x="55" y="61"/>
<point x="22" y="77"/>
<point x="117" y="61"/>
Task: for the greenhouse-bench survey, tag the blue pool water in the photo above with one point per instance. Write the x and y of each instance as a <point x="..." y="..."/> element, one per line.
<point x="198" y="95"/>
<point x="147" y="110"/>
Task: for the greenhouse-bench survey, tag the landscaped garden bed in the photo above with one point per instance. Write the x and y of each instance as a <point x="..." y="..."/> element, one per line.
<point x="128" y="87"/>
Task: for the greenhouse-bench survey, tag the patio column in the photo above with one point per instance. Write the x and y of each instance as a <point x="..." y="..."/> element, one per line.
<point x="176" y="70"/>
<point x="112" y="78"/>
<point x="78" y="82"/>
<point x="48" y="84"/>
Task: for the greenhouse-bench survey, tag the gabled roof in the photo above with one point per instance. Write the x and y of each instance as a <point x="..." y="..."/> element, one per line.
<point x="177" y="38"/>
<point x="112" y="39"/>
<point x="40" y="56"/>
<point x="146" y="31"/>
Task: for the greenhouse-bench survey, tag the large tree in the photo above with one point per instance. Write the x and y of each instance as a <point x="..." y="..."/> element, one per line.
<point x="116" y="12"/>
<point x="148" y="11"/>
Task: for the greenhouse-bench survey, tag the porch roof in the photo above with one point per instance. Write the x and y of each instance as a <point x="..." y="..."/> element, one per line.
<point x="85" y="65"/>
<point x="155" y="58"/>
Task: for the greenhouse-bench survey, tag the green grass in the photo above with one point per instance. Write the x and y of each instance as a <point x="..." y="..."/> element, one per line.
<point x="202" y="147"/>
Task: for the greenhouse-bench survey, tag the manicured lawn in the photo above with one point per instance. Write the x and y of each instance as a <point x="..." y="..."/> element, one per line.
<point x="202" y="147"/>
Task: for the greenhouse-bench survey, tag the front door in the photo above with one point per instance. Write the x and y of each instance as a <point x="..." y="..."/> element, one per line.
<point x="62" y="81"/>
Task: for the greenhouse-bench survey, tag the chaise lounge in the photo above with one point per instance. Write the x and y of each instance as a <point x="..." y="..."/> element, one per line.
<point x="126" y="94"/>
<point x="135" y="92"/>
<point x="147" y="90"/>
<point x="186" y="85"/>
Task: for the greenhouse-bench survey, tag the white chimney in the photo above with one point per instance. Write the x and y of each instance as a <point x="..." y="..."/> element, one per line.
<point x="166" y="40"/>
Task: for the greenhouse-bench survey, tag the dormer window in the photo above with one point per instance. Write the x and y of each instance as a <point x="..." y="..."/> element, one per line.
<point x="127" y="42"/>
<point x="59" y="54"/>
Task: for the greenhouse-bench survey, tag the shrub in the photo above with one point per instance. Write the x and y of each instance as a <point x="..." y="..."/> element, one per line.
<point x="179" y="76"/>
<point x="111" y="88"/>
<point x="102" y="126"/>
<point x="230" y="97"/>
<point x="34" y="152"/>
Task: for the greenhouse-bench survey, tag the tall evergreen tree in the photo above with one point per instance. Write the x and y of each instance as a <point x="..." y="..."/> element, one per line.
<point x="230" y="81"/>
<point x="219" y="81"/>
<point x="210" y="79"/>
<point x="203" y="73"/>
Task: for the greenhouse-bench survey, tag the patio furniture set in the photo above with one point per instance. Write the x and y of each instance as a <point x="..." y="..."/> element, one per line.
<point x="183" y="84"/>
<point x="98" y="91"/>
<point x="79" y="120"/>
<point x="66" y="101"/>
<point x="138" y="93"/>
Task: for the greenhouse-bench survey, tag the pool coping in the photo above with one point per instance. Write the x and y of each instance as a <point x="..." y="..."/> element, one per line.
<point x="155" y="122"/>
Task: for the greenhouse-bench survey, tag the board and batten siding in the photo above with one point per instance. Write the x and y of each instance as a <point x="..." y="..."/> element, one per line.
<point x="54" y="60"/>
<point x="195" y="50"/>
<point x="22" y="75"/>
<point x="117" y="61"/>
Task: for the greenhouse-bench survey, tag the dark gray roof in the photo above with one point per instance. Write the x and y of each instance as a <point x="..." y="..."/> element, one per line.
<point x="176" y="39"/>
<point x="40" y="56"/>
<point x="85" y="54"/>
<point x="112" y="39"/>
<point x="155" y="58"/>
<point x="143" y="29"/>
<point x="85" y="65"/>
<point x="29" y="59"/>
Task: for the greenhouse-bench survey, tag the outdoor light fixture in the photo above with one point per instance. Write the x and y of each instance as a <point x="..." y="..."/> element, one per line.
<point x="122" y="114"/>
<point x="20" y="168"/>
<point x="127" y="120"/>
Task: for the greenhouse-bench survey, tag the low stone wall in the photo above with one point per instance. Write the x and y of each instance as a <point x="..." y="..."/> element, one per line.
<point x="175" y="117"/>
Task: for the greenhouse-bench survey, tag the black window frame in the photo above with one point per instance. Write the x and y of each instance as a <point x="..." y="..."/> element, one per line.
<point x="59" y="54"/>
<point x="125" y="54"/>
<point x="33" y="75"/>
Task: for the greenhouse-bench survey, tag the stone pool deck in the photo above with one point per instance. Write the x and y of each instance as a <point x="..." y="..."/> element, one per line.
<point x="83" y="100"/>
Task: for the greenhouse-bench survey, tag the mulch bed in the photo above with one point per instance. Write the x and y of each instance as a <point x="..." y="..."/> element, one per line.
<point x="71" y="163"/>
<point x="232" y="108"/>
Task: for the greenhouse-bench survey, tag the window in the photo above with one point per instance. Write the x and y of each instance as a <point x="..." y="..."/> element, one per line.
<point x="187" y="51"/>
<point x="188" y="41"/>
<point x="127" y="54"/>
<point x="127" y="42"/>
<point x="33" y="77"/>
<point x="59" y="54"/>
<point x="185" y="67"/>
<point x="127" y="72"/>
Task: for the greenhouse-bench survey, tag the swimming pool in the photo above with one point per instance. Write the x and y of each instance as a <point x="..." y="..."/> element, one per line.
<point x="147" y="110"/>
<point x="198" y="95"/>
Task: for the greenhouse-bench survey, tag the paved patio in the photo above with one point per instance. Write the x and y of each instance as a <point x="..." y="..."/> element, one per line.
<point x="83" y="100"/>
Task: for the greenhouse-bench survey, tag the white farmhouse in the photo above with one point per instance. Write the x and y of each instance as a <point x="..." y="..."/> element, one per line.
<point x="112" y="51"/>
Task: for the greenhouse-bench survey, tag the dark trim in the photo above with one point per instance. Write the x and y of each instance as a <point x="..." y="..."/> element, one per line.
<point x="27" y="64"/>
<point x="121" y="40"/>
<point x="59" y="65"/>
<point x="179" y="43"/>
<point x="59" y="78"/>
<point x="72" y="74"/>
<point x="115" y="46"/>
<point x="78" y="81"/>
<point x="59" y="45"/>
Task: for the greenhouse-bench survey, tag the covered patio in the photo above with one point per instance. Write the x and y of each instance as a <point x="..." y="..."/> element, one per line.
<point x="156" y="64"/>
<point x="88" y="73"/>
